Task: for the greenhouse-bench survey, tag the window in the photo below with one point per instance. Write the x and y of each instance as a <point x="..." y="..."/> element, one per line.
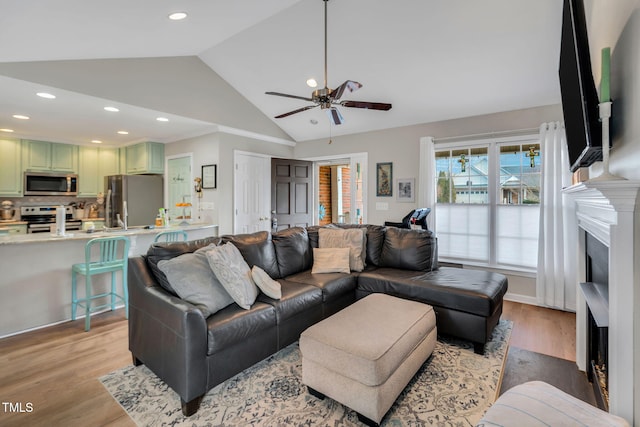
<point x="487" y="201"/>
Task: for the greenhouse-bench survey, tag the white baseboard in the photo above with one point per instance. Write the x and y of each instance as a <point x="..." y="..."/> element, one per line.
<point x="524" y="299"/>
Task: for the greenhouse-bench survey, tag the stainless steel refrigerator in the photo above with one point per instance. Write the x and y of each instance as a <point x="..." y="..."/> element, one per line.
<point x="141" y="194"/>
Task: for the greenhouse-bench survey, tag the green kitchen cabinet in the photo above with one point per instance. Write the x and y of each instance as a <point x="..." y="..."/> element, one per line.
<point x="49" y="156"/>
<point x="10" y="167"/>
<point x="15" y="228"/>
<point x="145" y="157"/>
<point x="95" y="164"/>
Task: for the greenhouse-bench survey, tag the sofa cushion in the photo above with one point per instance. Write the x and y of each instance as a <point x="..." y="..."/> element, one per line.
<point x="233" y="273"/>
<point x="354" y="239"/>
<point x="296" y="298"/>
<point x="472" y="291"/>
<point x="293" y="252"/>
<point x="266" y="284"/>
<point x="333" y="285"/>
<point x="409" y="249"/>
<point x="330" y="260"/>
<point x="167" y="250"/>
<point x="256" y="249"/>
<point x="233" y="325"/>
<point x="193" y="280"/>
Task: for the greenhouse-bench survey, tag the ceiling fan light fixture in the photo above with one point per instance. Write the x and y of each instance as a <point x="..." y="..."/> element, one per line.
<point x="177" y="16"/>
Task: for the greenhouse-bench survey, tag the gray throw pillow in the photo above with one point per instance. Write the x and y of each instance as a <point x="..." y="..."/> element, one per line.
<point x="234" y="274"/>
<point x="265" y="283"/>
<point x="193" y="281"/>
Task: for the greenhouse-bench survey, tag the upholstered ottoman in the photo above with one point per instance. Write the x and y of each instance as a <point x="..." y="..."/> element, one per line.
<point x="364" y="355"/>
<point x="537" y="403"/>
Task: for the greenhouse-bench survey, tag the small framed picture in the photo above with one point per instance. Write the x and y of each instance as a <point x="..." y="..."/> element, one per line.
<point x="406" y="189"/>
<point x="384" y="179"/>
<point x="209" y="176"/>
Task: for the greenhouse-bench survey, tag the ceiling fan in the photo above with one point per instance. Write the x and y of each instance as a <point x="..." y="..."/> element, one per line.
<point x="327" y="98"/>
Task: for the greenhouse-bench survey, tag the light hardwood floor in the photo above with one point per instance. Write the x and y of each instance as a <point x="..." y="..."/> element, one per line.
<point x="56" y="369"/>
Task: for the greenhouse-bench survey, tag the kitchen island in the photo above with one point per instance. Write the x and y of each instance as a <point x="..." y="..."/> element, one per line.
<point x="35" y="273"/>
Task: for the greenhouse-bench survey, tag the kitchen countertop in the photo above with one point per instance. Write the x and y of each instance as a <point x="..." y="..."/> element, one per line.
<point x="83" y="235"/>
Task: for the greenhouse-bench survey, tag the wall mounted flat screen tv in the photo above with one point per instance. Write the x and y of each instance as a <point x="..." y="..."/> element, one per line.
<point x="578" y="90"/>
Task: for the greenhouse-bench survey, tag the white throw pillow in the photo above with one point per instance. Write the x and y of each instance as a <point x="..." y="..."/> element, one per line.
<point x="234" y="274"/>
<point x="192" y="279"/>
<point x="330" y="260"/>
<point x="266" y="284"/>
<point x="352" y="238"/>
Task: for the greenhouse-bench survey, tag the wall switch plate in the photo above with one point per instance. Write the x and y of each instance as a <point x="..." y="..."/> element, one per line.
<point x="207" y="206"/>
<point x="382" y="206"/>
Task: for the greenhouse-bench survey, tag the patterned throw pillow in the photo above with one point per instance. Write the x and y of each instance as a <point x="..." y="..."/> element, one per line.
<point x="353" y="238"/>
<point x="234" y="274"/>
<point x="330" y="260"/>
<point x="266" y="284"/>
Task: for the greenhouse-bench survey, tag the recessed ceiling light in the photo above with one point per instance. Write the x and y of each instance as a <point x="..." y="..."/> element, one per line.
<point x="312" y="82"/>
<point x="162" y="119"/>
<point x="20" y="116"/>
<point x="123" y="132"/>
<point x="177" y="16"/>
<point x="111" y="109"/>
<point x="96" y="141"/>
<point x="6" y="130"/>
<point x="46" y="95"/>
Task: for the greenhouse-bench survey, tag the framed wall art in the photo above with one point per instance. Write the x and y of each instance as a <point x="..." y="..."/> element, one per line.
<point x="406" y="189"/>
<point x="384" y="179"/>
<point x="209" y="176"/>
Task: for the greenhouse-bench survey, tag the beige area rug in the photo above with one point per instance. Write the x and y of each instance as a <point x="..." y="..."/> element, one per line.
<point x="453" y="388"/>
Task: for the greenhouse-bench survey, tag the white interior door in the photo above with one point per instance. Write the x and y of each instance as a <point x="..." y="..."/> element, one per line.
<point x="252" y="193"/>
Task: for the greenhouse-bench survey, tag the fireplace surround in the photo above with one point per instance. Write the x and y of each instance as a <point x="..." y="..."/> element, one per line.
<point x="608" y="211"/>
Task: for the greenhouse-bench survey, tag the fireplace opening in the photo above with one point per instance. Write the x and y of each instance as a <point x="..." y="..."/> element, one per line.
<point x="596" y="293"/>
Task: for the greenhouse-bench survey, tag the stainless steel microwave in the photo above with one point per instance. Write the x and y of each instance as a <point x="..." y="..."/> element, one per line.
<point x="50" y="184"/>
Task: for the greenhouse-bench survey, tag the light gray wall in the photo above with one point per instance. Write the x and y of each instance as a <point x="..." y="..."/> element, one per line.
<point x="218" y="148"/>
<point x="401" y="146"/>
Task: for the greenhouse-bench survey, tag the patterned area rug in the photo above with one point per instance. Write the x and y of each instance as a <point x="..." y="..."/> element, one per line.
<point x="453" y="388"/>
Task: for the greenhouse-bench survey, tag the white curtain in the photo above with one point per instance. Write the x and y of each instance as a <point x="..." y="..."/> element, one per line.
<point x="555" y="283"/>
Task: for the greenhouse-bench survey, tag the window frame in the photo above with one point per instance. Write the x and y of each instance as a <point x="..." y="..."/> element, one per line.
<point x="493" y="150"/>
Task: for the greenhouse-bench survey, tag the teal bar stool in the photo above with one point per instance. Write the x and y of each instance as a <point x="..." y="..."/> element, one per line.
<point x="171" y="236"/>
<point x="111" y="257"/>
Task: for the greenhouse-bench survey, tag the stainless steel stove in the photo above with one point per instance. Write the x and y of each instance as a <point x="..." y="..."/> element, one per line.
<point x="40" y="218"/>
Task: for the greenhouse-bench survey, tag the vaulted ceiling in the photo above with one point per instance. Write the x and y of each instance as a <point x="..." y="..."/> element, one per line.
<point x="433" y="60"/>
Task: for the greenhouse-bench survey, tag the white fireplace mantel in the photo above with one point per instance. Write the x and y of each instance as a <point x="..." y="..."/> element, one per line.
<point x="608" y="210"/>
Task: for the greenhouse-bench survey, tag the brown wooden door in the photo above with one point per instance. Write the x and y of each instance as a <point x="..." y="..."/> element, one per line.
<point x="291" y="192"/>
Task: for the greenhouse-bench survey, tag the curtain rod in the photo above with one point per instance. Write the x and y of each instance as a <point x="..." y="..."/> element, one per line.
<point x="497" y="134"/>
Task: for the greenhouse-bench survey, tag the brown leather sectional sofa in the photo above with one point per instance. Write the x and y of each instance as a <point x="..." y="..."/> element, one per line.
<point x="193" y="354"/>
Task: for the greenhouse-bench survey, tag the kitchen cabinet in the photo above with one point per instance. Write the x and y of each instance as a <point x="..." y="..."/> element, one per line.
<point x="49" y="156"/>
<point x="95" y="164"/>
<point x="14" y="228"/>
<point x="10" y="167"/>
<point x="145" y="157"/>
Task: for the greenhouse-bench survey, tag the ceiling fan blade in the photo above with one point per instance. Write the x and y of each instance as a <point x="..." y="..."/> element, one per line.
<point x="286" y="95"/>
<point x="349" y="85"/>
<point x="299" y="110"/>
<point x="335" y="115"/>
<point x="366" y="105"/>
